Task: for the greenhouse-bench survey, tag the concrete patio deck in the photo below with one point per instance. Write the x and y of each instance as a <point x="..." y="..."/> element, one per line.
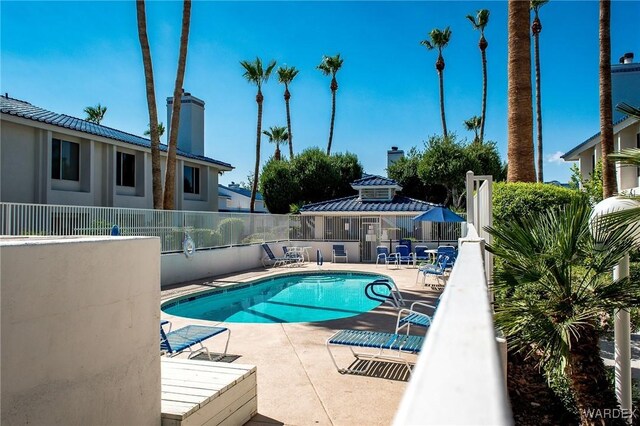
<point x="297" y="382"/>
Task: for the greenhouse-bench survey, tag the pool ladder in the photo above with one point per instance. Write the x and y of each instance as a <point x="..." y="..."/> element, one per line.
<point x="394" y="298"/>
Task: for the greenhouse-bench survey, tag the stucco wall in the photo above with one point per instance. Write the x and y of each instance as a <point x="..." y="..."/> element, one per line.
<point x="79" y="331"/>
<point x="17" y="162"/>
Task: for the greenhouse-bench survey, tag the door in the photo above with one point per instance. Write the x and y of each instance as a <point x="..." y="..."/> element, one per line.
<point x="369" y="238"/>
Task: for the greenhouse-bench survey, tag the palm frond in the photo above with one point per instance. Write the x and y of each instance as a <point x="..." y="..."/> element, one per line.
<point x="535" y="5"/>
<point x="629" y="156"/>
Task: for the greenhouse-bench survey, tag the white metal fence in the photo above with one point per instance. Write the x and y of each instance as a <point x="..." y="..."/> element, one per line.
<point x="207" y="229"/>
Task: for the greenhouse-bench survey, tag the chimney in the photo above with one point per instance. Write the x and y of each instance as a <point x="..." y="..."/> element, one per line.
<point x="393" y="155"/>
<point x="191" y="128"/>
<point x="627" y="58"/>
<point x="234" y="185"/>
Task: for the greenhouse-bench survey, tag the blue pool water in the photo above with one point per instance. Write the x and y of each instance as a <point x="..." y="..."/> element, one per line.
<point x="288" y="298"/>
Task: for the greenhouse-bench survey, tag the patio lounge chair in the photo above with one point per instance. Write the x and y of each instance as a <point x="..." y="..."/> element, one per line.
<point x="404" y="254"/>
<point x="294" y="254"/>
<point x="277" y="261"/>
<point x="450" y="252"/>
<point x="421" y="254"/>
<point x="405" y="242"/>
<point x="339" y="251"/>
<point x="175" y="342"/>
<point x="394" y="343"/>
<point x="384" y="255"/>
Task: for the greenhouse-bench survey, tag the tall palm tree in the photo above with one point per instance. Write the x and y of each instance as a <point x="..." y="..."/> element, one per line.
<point x="330" y="65"/>
<point x="286" y="76"/>
<point x="95" y="114"/>
<point x="161" y="130"/>
<point x="479" y="22"/>
<point x="520" y="113"/>
<point x="557" y="275"/>
<point x="156" y="173"/>
<point x="473" y="125"/>
<point x="256" y="74"/>
<point x="278" y="135"/>
<point x="536" y="28"/>
<point x="609" y="183"/>
<point x="439" y="40"/>
<point x="170" y="173"/>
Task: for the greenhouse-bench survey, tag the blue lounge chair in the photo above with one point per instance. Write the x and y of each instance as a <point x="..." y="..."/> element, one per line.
<point x="450" y="252"/>
<point x="409" y="317"/>
<point x="404" y="254"/>
<point x="436" y="269"/>
<point x="175" y="342"/>
<point x="339" y="252"/>
<point x="384" y="255"/>
<point x="394" y="343"/>
<point x="277" y="261"/>
<point x="405" y="242"/>
<point x="421" y="254"/>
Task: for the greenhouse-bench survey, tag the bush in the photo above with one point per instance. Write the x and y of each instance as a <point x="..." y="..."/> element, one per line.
<point x="278" y="185"/>
<point x="511" y="200"/>
<point x="231" y="230"/>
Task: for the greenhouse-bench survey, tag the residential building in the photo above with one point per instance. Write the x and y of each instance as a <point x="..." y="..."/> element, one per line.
<point x="52" y="158"/>
<point x="233" y="198"/>
<point x="625" y="81"/>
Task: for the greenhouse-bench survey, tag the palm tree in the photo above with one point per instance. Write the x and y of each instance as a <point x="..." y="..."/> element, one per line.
<point x="536" y="27"/>
<point x="95" y="114"/>
<point x="473" y="124"/>
<point x="439" y="40"/>
<point x="278" y="135"/>
<point x="254" y="73"/>
<point x="286" y="76"/>
<point x="170" y="173"/>
<point x="156" y="176"/>
<point x="556" y="274"/>
<point x="479" y="23"/>
<point x="520" y="113"/>
<point x="330" y="65"/>
<point x="606" y="114"/>
<point x="161" y="130"/>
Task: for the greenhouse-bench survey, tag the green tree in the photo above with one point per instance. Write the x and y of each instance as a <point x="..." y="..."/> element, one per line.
<point x="479" y="23"/>
<point x="170" y="169"/>
<point x="95" y="114"/>
<point x="277" y="135"/>
<point x="405" y="172"/>
<point x="316" y="175"/>
<point x="556" y="278"/>
<point x="256" y="74"/>
<point x="156" y="173"/>
<point x="484" y="159"/>
<point x="161" y="130"/>
<point x="536" y="28"/>
<point x="439" y="39"/>
<point x="591" y="186"/>
<point x="278" y="185"/>
<point x="473" y="125"/>
<point x="286" y="76"/>
<point x="330" y="65"/>
<point x="349" y="169"/>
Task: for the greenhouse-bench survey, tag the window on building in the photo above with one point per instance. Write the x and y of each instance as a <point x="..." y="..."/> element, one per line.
<point x="65" y="160"/>
<point x="374" y="194"/>
<point x="125" y="169"/>
<point x="191" y="180"/>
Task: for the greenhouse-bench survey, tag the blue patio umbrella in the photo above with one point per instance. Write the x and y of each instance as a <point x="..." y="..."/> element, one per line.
<point x="438" y="213"/>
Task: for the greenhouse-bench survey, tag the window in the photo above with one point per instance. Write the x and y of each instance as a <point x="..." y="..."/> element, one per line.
<point x="374" y="194"/>
<point x="125" y="169"/>
<point x="65" y="160"/>
<point x="191" y="180"/>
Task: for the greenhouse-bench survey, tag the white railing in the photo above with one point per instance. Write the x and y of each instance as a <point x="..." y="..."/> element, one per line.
<point x="207" y="229"/>
<point x="459" y="378"/>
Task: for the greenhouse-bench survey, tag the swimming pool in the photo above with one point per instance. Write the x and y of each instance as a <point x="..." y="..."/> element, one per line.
<point x="285" y="298"/>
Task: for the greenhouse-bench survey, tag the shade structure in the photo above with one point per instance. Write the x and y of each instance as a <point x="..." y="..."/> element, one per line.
<point x="438" y="214"/>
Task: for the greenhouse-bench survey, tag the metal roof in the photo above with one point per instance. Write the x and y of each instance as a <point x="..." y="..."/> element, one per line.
<point x="241" y="191"/>
<point x="26" y="110"/>
<point x="399" y="203"/>
<point x="373" y="180"/>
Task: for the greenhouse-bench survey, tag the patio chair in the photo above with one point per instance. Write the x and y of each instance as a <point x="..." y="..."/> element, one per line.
<point x="277" y="261"/>
<point x="175" y="342"/>
<point x="449" y="251"/>
<point x="386" y="291"/>
<point x="384" y="255"/>
<point x="436" y="269"/>
<point x="404" y="254"/>
<point x="409" y="317"/>
<point x="293" y="254"/>
<point x="421" y="254"/>
<point x="396" y="344"/>
<point x="405" y="242"/>
<point x="339" y="252"/>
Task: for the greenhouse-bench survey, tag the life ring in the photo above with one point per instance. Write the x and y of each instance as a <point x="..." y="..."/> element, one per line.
<point x="188" y="246"/>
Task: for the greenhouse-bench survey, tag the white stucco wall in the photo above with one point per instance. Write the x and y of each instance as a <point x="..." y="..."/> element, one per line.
<point x="79" y="331"/>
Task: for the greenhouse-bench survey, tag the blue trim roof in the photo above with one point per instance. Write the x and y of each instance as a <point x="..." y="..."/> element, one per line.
<point x="584" y="144"/>
<point x="373" y="180"/>
<point x="24" y="109"/>
<point x="353" y="204"/>
<point x="241" y="191"/>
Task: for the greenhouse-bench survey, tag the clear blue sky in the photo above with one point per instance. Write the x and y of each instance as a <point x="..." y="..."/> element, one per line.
<point x="64" y="56"/>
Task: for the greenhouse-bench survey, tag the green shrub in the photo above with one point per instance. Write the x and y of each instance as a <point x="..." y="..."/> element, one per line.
<point x="512" y="200"/>
<point x="278" y="185"/>
<point x="231" y="230"/>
